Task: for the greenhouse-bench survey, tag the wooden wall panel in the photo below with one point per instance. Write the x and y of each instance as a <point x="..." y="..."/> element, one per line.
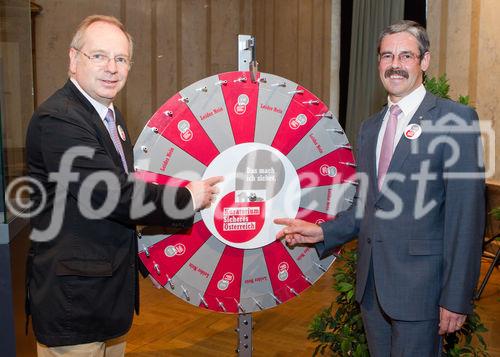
<point x="194" y="37"/>
<point x="293" y="40"/>
<point x="246" y="16"/>
<point x="178" y="42"/>
<point x="167" y="29"/>
<point x="464" y="40"/>
<point x="334" y="58"/>
<point x="225" y="24"/>
<point x="286" y="23"/>
<point x="304" y="43"/>
<point x="264" y="34"/>
<point x="326" y="48"/>
<point x="318" y="36"/>
<point x="54" y="29"/>
<point x="137" y="94"/>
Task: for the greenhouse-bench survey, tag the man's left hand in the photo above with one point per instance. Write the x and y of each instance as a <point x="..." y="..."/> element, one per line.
<point x="450" y="322"/>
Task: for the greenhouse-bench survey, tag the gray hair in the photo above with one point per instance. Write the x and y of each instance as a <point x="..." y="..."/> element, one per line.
<point x="77" y="41"/>
<point x="412" y="28"/>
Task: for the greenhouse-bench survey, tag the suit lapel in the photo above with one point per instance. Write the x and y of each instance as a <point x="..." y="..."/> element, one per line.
<point x="403" y="148"/>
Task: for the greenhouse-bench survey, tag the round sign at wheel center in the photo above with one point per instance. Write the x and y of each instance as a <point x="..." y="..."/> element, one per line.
<point x="259" y="184"/>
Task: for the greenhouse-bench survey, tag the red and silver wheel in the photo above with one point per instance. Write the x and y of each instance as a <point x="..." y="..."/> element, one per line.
<point x="282" y="154"/>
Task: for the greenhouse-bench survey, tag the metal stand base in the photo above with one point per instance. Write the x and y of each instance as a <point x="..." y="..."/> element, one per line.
<point x="244" y="330"/>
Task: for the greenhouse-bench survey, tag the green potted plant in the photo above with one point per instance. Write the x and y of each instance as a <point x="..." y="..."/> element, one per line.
<point x="340" y="332"/>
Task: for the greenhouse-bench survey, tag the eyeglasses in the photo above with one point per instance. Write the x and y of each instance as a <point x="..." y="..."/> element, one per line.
<point x="403" y="57"/>
<point x="101" y="60"/>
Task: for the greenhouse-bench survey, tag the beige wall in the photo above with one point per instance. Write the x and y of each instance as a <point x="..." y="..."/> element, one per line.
<point x="465" y="44"/>
<point x="181" y="41"/>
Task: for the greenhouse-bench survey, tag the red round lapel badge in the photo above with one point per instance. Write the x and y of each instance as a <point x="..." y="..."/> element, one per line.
<point x="121" y="132"/>
<point x="413" y="131"/>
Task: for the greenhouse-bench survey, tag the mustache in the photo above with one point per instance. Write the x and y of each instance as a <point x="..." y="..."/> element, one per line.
<point x="399" y="72"/>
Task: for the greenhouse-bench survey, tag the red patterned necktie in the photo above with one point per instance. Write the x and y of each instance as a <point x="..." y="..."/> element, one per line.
<point x="388" y="144"/>
<point x="110" y="123"/>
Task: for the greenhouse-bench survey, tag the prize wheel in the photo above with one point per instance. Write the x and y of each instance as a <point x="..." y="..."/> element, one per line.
<point x="282" y="154"/>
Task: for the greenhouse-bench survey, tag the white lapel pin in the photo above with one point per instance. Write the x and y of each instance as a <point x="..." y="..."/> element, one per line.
<point x="413" y="131"/>
<point x="121" y="132"/>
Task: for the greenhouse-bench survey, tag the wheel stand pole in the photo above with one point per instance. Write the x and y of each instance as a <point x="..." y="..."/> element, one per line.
<point x="244" y="330"/>
<point x="246" y="62"/>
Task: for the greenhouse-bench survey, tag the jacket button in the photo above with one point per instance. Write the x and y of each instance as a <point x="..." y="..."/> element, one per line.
<point x="369" y="240"/>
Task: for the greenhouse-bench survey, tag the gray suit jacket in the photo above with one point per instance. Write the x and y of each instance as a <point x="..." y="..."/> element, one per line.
<point x="428" y="253"/>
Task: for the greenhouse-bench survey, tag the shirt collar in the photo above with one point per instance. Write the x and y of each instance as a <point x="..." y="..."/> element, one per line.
<point x="410" y="103"/>
<point x="101" y="109"/>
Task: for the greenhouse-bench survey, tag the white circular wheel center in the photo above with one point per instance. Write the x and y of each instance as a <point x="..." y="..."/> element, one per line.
<point x="260" y="184"/>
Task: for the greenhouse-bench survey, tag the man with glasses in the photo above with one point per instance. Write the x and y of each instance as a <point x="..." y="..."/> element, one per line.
<point x="82" y="283"/>
<point x="419" y="213"/>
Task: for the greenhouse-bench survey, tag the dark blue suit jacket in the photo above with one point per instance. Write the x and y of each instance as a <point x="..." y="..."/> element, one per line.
<point x="423" y="232"/>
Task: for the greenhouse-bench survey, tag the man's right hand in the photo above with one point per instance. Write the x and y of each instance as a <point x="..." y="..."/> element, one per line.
<point x="203" y="191"/>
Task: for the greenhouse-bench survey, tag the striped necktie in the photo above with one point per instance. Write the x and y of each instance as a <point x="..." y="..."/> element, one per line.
<point x="111" y="125"/>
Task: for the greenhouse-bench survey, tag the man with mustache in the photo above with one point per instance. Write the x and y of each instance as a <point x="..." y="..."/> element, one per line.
<point x="82" y="281"/>
<point x="420" y="217"/>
